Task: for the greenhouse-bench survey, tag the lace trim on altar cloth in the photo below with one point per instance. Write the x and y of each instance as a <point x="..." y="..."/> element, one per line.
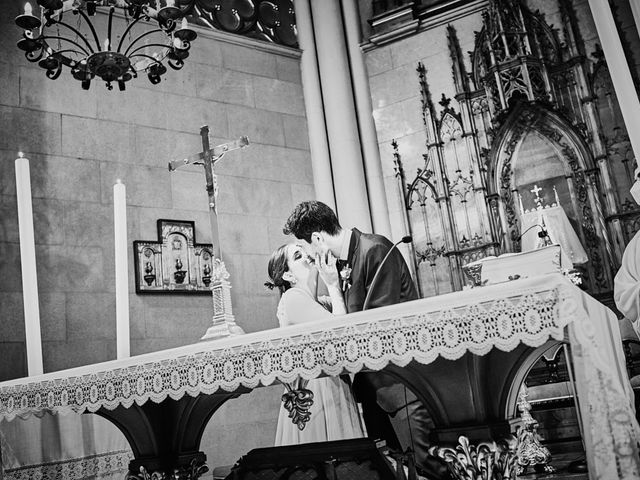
<point x="105" y="466"/>
<point x="529" y="318"/>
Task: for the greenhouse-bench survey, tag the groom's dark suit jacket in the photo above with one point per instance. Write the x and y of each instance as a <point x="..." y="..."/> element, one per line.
<point x="377" y="390"/>
<point x="394" y="283"/>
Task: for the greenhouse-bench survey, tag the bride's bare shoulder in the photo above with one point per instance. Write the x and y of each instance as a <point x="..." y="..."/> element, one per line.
<point x="295" y="294"/>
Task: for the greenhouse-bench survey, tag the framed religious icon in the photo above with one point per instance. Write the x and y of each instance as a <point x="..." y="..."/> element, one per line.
<point x="175" y="262"/>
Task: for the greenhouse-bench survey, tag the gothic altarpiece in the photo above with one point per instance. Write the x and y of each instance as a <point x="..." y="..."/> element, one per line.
<point x="533" y="113"/>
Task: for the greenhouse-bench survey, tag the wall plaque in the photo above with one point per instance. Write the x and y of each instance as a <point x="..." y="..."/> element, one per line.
<point x="174" y="263"/>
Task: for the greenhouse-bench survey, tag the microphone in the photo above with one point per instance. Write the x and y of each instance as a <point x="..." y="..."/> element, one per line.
<point x="541" y="234"/>
<point x="406" y="239"/>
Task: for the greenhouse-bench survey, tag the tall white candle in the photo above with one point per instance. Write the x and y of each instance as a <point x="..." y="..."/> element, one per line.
<point x="28" y="263"/>
<point x="122" y="269"/>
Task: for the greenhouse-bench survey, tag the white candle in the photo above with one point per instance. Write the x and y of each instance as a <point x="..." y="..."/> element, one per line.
<point x="122" y="269"/>
<point x="28" y="263"/>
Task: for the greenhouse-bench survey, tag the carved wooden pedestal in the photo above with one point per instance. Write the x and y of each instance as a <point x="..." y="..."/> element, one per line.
<point x="165" y="437"/>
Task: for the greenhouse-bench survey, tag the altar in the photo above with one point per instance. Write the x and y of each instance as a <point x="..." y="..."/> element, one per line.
<point x="162" y="401"/>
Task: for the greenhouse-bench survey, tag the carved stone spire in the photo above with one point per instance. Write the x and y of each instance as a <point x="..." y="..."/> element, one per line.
<point x="573" y="37"/>
<point x="428" y="110"/>
<point x="460" y="76"/>
<point x="512" y="53"/>
<point x="506" y="29"/>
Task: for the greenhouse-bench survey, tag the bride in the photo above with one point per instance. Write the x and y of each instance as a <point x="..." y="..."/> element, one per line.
<point x="334" y="415"/>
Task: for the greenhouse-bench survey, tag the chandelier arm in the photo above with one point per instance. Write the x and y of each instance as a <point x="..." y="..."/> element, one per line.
<point x="175" y="64"/>
<point x="155" y="60"/>
<point x="93" y="30"/>
<point x="77" y="32"/>
<point x="124" y="34"/>
<point x="126" y="53"/>
<point x="111" y="10"/>
<point x="70" y="41"/>
<point x="130" y="54"/>
<point x="68" y="50"/>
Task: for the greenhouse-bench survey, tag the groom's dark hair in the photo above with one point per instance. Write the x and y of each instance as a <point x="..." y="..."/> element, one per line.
<point x="311" y="216"/>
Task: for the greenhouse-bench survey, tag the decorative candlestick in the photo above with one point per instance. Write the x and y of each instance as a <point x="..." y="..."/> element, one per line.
<point x="530" y="451"/>
<point x="122" y="269"/>
<point x="28" y="263"/>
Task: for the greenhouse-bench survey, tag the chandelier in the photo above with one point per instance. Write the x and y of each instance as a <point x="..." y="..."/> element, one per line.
<point x="67" y="33"/>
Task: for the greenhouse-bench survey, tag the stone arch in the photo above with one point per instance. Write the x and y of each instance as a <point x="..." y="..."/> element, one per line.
<point x="509" y="400"/>
<point x="546" y="122"/>
<point x="582" y="172"/>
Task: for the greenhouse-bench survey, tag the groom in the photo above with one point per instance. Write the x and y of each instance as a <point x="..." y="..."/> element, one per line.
<point x="359" y="256"/>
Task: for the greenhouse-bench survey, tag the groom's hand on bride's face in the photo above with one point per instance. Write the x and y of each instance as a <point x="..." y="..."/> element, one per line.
<point x="326" y="266"/>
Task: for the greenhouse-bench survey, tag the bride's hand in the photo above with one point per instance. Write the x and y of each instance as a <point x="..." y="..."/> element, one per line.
<point x="327" y="269"/>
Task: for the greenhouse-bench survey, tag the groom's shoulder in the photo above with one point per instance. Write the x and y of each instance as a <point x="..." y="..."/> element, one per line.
<point x="372" y="240"/>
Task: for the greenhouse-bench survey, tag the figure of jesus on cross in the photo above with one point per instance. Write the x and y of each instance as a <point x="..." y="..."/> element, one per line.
<point x="223" y="320"/>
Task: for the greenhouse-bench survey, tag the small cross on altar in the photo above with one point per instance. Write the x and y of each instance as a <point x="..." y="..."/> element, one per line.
<point x="223" y="320"/>
<point x="536" y="191"/>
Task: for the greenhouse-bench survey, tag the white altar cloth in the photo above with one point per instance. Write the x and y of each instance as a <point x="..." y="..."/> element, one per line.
<point x="526" y="311"/>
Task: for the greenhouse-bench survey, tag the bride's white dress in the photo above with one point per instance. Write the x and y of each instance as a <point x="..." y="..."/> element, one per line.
<point x="334" y="415"/>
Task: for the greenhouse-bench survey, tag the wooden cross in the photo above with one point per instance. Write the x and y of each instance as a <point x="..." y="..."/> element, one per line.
<point x="208" y="158"/>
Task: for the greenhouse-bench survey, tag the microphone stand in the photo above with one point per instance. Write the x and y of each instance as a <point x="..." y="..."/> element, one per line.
<point x="406" y="239"/>
<point x="541" y="234"/>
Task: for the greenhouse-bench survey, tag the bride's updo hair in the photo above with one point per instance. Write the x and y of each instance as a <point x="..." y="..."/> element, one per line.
<point x="278" y="265"/>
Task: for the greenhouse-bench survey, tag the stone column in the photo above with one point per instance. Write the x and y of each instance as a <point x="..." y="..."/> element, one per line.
<point x="342" y="126"/>
<point x="619" y="70"/>
<point x="635" y="10"/>
<point x="368" y="135"/>
<point x="318" y="144"/>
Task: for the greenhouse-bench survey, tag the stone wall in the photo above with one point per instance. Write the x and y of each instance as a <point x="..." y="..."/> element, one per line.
<point x="79" y="142"/>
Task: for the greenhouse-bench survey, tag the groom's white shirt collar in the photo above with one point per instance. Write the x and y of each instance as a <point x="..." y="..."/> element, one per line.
<point x="346" y="241"/>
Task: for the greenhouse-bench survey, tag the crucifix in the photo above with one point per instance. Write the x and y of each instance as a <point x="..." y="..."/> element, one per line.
<point x="223" y="320"/>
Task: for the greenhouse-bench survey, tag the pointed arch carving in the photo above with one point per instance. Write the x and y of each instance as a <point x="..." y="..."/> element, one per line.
<point x="425" y="209"/>
<point x="580" y="167"/>
<point x="450" y="126"/>
<point x="548" y="122"/>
